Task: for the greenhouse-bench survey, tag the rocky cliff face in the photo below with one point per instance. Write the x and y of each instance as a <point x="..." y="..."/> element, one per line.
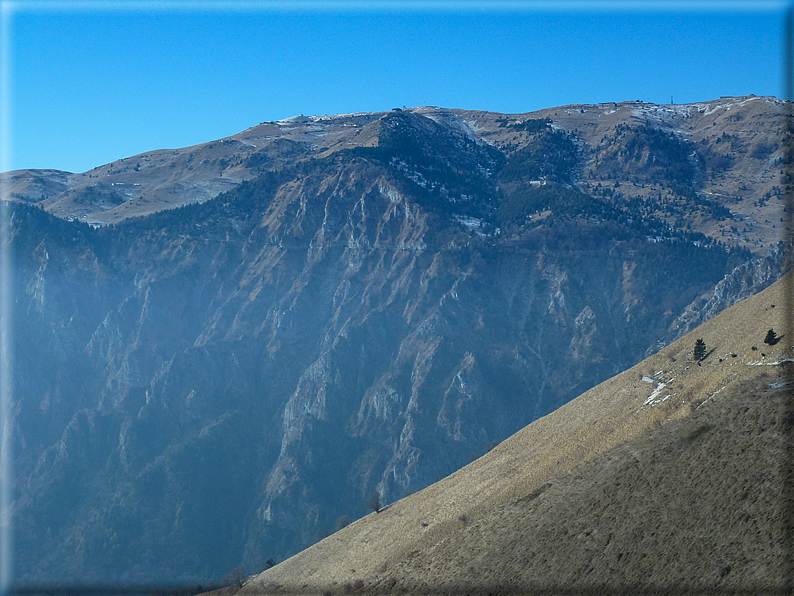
<point x="715" y="167"/>
<point x="216" y="384"/>
<point x="746" y="280"/>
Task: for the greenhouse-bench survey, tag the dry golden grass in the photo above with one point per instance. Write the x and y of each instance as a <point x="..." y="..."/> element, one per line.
<point x="494" y="522"/>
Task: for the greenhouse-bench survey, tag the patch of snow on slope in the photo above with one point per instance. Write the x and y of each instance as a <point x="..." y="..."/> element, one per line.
<point x="390" y="193"/>
<point x="661" y="114"/>
<point x="765" y="363"/>
<point x="473" y="125"/>
<point x="780" y="384"/>
<point x="724" y="385"/>
<point x="447" y="118"/>
<point x="339" y="116"/>
<point x="723" y="106"/>
<point x="653" y="397"/>
<point x="472" y="223"/>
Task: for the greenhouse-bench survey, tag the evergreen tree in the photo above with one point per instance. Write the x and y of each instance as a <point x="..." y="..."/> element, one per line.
<point x="700" y="350"/>
<point x="771" y="337"/>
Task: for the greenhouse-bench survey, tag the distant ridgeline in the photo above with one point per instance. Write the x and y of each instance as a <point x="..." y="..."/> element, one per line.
<point x="223" y="350"/>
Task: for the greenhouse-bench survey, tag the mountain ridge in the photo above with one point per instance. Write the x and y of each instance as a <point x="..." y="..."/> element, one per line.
<point x="723" y="134"/>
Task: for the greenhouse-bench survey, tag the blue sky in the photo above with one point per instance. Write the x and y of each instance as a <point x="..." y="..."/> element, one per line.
<point x="93" y="82"/>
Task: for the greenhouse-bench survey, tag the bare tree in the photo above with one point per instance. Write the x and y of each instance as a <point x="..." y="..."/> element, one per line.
<point x="374" y="502"/>
<point x="341" y="522"/>
<point x="235" y="577"/>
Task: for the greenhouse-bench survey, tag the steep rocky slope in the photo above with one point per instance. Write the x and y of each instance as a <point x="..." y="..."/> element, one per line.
<point x="674" y="476"/>
<point x="719" y="167"/>
<point x="217" y="384"/>
<point x="715" y="167"/>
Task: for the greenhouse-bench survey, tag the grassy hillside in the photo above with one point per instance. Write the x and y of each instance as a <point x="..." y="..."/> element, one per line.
<point x="669" y="476"/>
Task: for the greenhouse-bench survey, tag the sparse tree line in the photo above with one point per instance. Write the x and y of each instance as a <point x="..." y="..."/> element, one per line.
<point x="700" y="350"/>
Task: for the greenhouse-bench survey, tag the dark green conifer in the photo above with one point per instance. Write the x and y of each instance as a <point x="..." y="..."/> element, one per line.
<point x="700" y="350"/>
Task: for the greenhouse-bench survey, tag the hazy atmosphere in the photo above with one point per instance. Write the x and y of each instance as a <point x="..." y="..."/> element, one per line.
<point x="395" y="297"/>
